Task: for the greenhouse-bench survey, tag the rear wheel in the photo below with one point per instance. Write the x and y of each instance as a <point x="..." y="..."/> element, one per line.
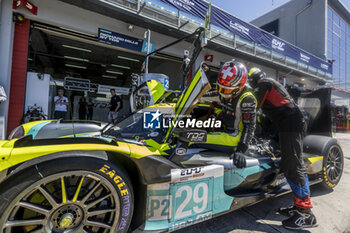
<point x="332" y="169"/>
<point x="63" y="196"/>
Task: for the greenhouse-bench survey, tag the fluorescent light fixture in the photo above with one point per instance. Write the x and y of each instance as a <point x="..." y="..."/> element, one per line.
<point x="77" y="48"/>
<point x="119" y="66"/>
<point x="114" y="72"/>
<point x="128" y="58"/>
<point x="76" y="58"/>
<point x="72" y="30"/>
<point x="75" y="66"/>
<point x="30" y="59"/>
<point x="109" y="76"/>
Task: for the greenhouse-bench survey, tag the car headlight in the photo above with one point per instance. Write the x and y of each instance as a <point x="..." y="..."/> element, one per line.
<point x="18" y="132"/>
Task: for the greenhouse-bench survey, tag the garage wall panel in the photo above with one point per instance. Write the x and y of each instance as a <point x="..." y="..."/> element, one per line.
<point x="18" y="75"/>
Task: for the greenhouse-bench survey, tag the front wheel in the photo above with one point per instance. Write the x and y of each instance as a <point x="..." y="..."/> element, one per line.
<point x="67" y="195"/>
<point x="333" y="163"/>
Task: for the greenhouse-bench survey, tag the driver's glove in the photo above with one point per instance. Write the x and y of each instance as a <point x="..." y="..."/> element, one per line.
<point x="239" y="159"/>
<point x="241" y="147"/>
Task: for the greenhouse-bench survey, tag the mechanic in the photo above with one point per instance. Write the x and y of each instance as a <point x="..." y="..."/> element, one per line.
<point x="277" y="104"/>
<point x="61" y="103"/>
<point x="114" y="107"/>
<point x="239" y="113"/>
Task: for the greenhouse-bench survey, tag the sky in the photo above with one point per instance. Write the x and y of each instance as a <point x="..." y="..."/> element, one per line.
<point x="251" y="9"/>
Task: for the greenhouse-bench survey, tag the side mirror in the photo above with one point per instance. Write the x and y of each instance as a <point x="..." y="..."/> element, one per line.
<point x="193" y="135"/>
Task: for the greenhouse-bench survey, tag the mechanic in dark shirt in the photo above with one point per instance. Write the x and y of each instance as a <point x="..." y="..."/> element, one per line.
<point x="239" y="113"/>
<point x="114" y="107"/>
<point x="278" y="105"/>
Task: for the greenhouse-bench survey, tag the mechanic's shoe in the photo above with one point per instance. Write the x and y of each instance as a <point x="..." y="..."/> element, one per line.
<point x="300" y="220"/>
<point x="287" y="211"/>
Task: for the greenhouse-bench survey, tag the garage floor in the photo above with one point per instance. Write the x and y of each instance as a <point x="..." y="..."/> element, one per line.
<point x="332" y="209"/>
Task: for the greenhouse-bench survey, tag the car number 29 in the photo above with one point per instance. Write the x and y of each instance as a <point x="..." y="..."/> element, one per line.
<point x="195" y="200"/>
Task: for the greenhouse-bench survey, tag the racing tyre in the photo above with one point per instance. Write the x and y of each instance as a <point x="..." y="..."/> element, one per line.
<point x="83" y="195"/>
<point x="332" y="168"/>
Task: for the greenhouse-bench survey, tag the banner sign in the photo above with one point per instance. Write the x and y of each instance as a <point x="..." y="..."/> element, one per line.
<point x="26" y="4"/>
<point x="247" y="31"/>
<point x="124" y="41"/>
<point x="105" y="89"/>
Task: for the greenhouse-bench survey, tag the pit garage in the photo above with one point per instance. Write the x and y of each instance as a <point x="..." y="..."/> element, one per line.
<point x="86" y="68"/>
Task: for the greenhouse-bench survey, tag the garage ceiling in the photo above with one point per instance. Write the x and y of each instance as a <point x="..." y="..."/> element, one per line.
<point x="64" y="53"/>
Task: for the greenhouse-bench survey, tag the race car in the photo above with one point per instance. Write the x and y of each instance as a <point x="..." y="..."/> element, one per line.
<point x="150" y="175"/>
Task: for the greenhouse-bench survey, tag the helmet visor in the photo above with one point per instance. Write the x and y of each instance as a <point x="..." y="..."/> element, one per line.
<point x="227" y="90"/>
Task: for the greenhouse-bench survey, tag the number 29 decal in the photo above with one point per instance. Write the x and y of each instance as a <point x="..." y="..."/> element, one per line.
<point x="194" y="202"/>
<point x="186" y="199"/>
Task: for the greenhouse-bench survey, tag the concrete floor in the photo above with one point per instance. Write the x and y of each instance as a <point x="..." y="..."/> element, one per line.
<point x="331" y="207"/>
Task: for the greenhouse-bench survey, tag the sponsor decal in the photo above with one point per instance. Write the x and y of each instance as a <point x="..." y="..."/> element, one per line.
<point x="117" y="179"/>
<point x="324" y="66"/>
<point x="26" y="4"/>
<point x="304" y="58"/>
<point x="124" y="193"/>
<point x="277" y="44"/>
<point x="239" y="27"/>
<point x="187" y="172"/>
<point x="186" y="4"/>
<point x="122" y="224"/>
<point x="196" y="136"/>
<point x="155" y="120"/>
<point x="181" y="151"/>
<point x="159" y="207"/>
<point x="190" y="221"/>
<point x="126" y="208"/>
<point x="124" y="41"/>
<point x="153" y="134"/>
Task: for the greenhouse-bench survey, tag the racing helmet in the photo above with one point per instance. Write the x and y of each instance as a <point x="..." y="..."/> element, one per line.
<point x="255" y="74"/>
<point x="232" y="78"/>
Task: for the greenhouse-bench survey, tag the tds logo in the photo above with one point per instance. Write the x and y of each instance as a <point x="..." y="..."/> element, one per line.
<point x="197" y="136"/>
<point x="152" y="120"/>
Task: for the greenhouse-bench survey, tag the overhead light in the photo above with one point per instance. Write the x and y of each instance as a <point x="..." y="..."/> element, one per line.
<point x="109" y="76"/>
<point x="75" y="66"/>
<point x="302" y="79"/>
<point x="119" y="66"/>
<point x="72" y="30"/>
<point x="30" y="59"/>
<point x="114" y="72"/>
<point x="77" y="48"/>
<point x="128" y="58"/>
<point x="76" y="58"/>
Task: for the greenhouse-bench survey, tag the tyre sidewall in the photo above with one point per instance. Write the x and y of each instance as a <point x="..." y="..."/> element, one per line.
<point x="325" y="181"/>
<point x="114" y="173"/>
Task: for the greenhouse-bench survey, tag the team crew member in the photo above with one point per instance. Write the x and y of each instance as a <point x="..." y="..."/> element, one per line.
<point x="239" y="116"/>
<point x="61" y="103"/>
<point x="277" y="104"/>
<point x="114" y="107"/>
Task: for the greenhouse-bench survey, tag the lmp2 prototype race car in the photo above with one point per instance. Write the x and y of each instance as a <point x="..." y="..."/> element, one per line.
<point x="140" y="176"/>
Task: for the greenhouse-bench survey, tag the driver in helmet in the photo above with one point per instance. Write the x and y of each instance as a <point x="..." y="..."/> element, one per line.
<point x="239" y="114"/>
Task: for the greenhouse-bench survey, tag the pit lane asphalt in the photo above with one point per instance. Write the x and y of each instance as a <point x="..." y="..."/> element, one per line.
<point x="331" y="207"/>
